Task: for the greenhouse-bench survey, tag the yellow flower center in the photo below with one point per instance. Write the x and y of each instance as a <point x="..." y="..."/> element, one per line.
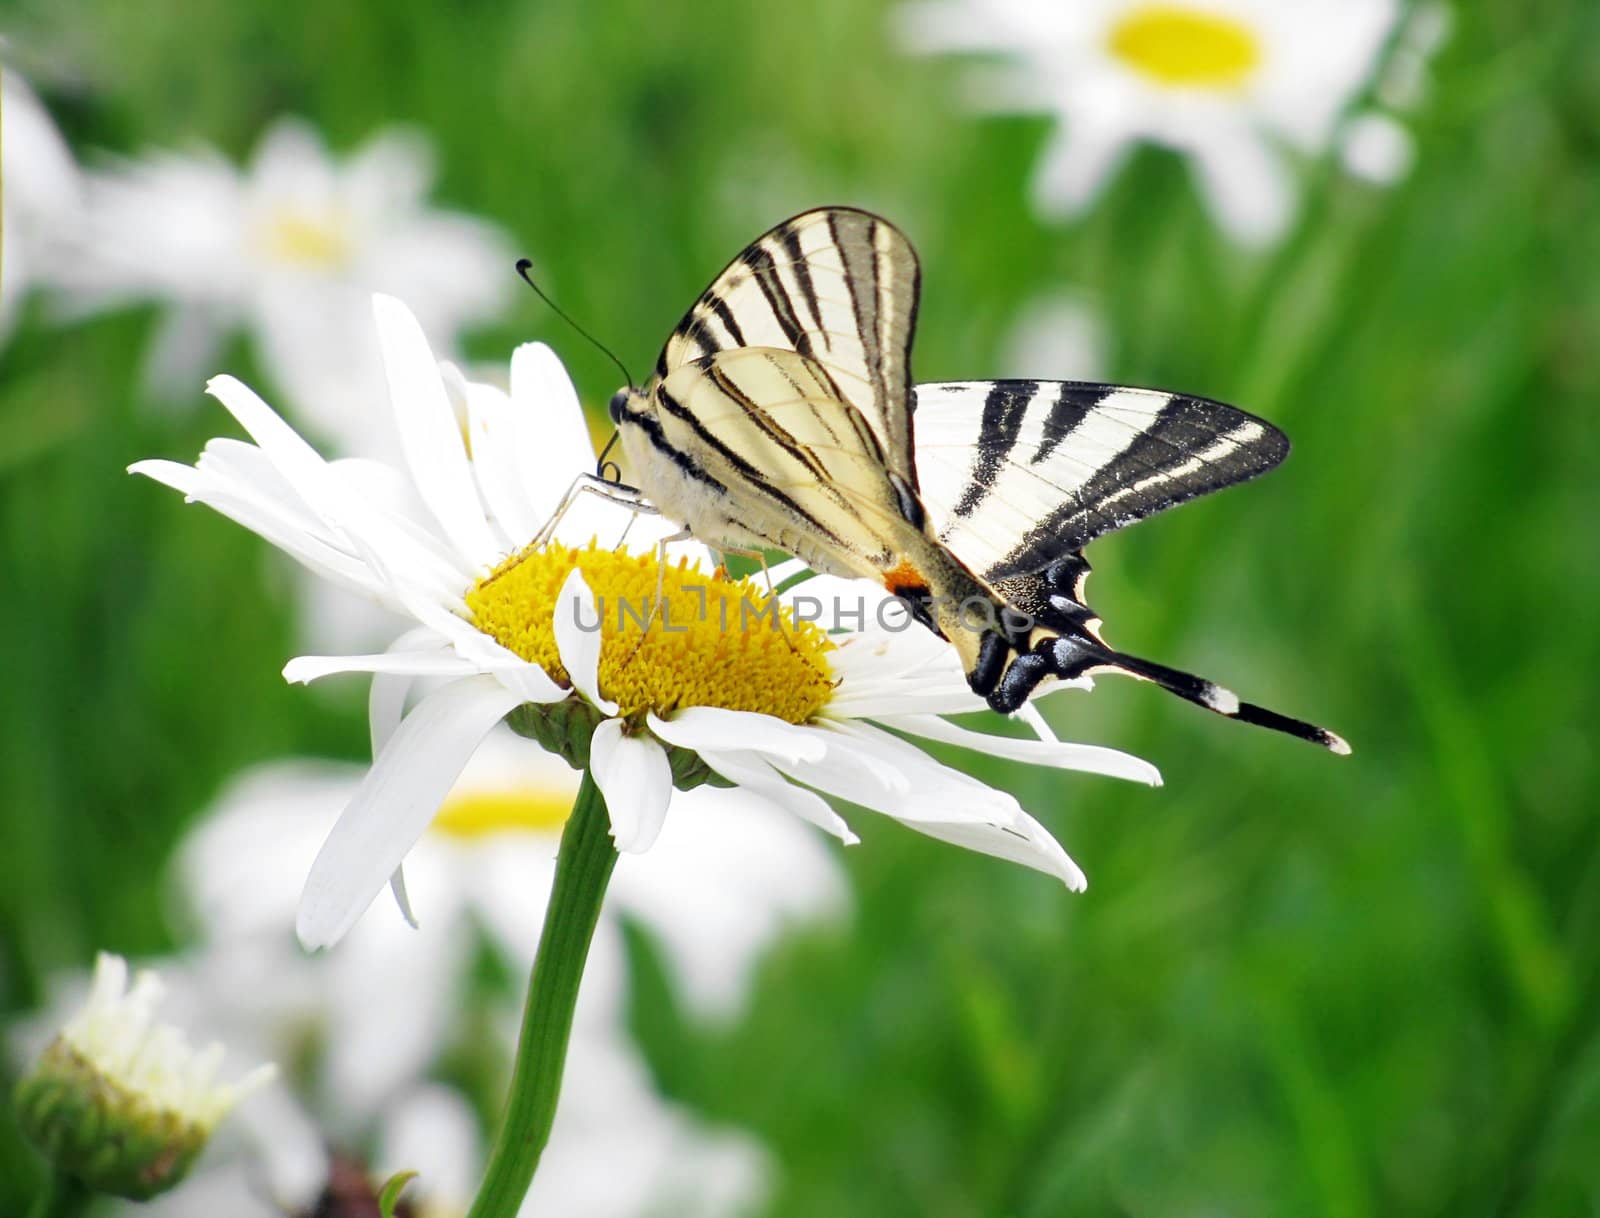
<point x="713" y="642"/>
<point x="1186" y="47"/>
<point x="483" y="813"/>
<point x="306" y="239"/>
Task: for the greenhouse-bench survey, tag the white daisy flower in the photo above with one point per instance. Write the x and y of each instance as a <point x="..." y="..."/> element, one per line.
<point x="120" y="1101"/>
<point x="504" y="628"/>
<point x="39" y="204"/>
<point x="1227" y="83"/>
<point x="291" y="248"/>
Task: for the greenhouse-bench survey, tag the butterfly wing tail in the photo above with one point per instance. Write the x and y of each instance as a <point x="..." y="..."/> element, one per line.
<point x="1076" y="654"/>
<point x="1222" y="701"/>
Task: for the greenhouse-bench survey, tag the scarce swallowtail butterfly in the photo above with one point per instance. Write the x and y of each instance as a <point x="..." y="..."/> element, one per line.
<point x="782" y="414"/>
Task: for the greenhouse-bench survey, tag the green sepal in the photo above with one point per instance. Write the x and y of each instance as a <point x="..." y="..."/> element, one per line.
<point x="108" y="1138"/>
<point x="389" y="1194"/>
<point x="566" y="728"/>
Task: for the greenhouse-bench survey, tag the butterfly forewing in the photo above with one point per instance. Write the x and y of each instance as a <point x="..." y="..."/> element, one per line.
<point x="837" y="286"/>
<point x="1016" y="473"/>
<point x="809" y="466"/>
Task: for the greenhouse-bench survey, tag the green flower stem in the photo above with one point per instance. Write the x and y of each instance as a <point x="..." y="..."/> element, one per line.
<point x="44" y="1201"/>
<point x="59" y="1195"/>
<point x="583" y="867"/>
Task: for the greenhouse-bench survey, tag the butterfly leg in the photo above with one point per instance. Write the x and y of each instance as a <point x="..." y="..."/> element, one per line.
<point x="758" y="555"/>
<point x="766" y="573"/>
<point x="587" y="484"/>
<point x="660" y="597"/>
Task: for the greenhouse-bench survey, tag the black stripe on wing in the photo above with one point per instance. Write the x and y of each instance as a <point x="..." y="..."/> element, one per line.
<point x="1084" y="458"/>
<point x="1003" y="410"/>
<point x="837" y="285"/>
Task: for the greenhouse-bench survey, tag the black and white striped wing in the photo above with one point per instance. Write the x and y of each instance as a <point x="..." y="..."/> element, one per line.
<point x="1017" y="474"/>
<point x="800" y="468"/>
<point x="838" y="286"/>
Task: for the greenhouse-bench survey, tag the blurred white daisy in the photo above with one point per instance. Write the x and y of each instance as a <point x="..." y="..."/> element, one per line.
<point x="728" y="875"/>
<point x="121" y="1101"/>
<point x="503" y="625"/>
<point x="291" y="248"/>
<point x="40" y="197"/>
<point x="1230" y="84"/>
<point x="1057" y="336"/>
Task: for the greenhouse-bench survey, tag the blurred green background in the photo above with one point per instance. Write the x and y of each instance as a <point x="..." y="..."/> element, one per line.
<point x="1297" y="984"/>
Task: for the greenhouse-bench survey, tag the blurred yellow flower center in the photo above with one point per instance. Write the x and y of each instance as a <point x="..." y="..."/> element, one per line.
<point x="306" y="239"/>
<point x="483" y="813"/>
<point x="1183" y="46"/>
<point x="714" y="642"/>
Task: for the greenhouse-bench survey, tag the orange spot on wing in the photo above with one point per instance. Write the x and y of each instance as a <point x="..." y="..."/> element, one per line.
<point x="905" y="580"/>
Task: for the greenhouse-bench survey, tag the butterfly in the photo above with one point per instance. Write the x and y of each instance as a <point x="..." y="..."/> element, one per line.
<point x="781" y="414"/>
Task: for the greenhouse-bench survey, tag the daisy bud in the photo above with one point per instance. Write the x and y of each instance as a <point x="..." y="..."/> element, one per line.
<point x="119" y="1102"/>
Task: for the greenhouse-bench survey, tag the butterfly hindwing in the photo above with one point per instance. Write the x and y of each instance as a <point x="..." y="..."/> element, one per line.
<point x="1017" y="473"/>
<point x="836" y="285"/>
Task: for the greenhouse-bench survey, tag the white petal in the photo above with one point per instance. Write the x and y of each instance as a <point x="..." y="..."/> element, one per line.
<point x="429" y="434"/>
<point x="297" y="461"/>
<point x="577" y="641"/>
<point x="433" y="1131"/>
<point x="713" y="727"/>
<point x="395" y="803"/>
<point x="498" y="461"/>
<point x="397" y="886"/>
<point x="386" y="701"/>
<point x="877" y="770"/>
<point x="1090" y="758"/>
<point x="635" y="777"/>
<point x="304" y="669"/>
<point x="343" y="509"/>
<point x="757" y="776"/>
<point x="392" y="170"/>
<point x="1377" y="148"/>
<point x="274" y="522"/>
<point x="1025" y="841"/>
<point x="1075" y="165"/>
<point x="377" y="1042"/>
<point x="553" y="436"/>
<point x="1245" y="183"/>
<point x="1030" y="714"/>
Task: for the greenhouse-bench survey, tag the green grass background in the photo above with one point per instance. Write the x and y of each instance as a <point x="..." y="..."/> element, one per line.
<point x="1298" y="984"/>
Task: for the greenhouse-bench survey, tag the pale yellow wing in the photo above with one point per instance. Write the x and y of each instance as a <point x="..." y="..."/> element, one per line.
<point x="836" y="285"/>
<point x="796" y="466"/>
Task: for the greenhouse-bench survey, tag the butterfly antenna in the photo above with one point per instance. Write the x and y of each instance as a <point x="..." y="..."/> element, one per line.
<point x="524" y="265"/>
